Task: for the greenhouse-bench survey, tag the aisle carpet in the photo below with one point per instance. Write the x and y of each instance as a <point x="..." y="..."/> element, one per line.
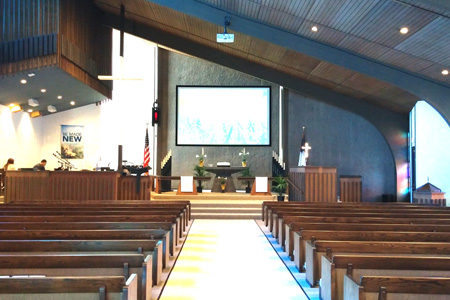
<point x="229" y="259"/>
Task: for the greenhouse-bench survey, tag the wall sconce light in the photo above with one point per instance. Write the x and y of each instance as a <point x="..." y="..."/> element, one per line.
<point x="35" y="114"/>
<point x="15" y="108"/>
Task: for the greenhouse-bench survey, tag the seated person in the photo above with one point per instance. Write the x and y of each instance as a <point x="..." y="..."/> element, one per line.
<point x="40" y="166"/>
<point x="9" y="166"/>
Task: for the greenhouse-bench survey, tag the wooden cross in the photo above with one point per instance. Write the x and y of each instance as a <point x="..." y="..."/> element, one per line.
<point x="306" y="148"/>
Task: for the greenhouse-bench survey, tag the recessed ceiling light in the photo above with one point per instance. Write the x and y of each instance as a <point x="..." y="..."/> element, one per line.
<point x="31" y="74"/>
<point x="444" y="72"/>
<point x="23" y="81"/>
<point x="59" y="97"/>
<point x="72" y="102"/>
<point x="43" y="90"/>
<point x="404" y="30"/>
<point x="314" y="28"/>
<point x="30" y="110"/>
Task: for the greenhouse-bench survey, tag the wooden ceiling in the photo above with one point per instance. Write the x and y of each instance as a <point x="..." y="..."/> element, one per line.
<point x="366" y="28"/>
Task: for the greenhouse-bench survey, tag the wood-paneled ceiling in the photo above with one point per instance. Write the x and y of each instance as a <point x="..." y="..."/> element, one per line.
<point x="365" y="28"/>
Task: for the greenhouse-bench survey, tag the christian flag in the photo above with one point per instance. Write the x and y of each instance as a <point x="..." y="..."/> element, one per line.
<point x="302" y="156"/>
<point x="146" y="150"/>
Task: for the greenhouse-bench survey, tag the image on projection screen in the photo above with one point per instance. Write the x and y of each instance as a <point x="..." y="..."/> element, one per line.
<point x="223" y="115"/>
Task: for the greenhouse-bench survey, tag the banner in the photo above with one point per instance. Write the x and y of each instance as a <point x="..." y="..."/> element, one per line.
<point x="72" y="142"/>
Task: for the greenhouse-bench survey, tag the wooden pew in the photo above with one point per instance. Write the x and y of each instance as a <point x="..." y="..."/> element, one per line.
<point x="76" y="288"/>
<point x="268" y="206"/>
<point x="166" y="226"/>
<point x="301" y="237"/>
<point x="315" y="249"/>
<point x="57" y="265"/>
<point x="382" y="225"/>
<point x="333" y="271"/>
<point x="395" y="287"/>
<point x="280" y="219"/>
<point x="160" y="255"/>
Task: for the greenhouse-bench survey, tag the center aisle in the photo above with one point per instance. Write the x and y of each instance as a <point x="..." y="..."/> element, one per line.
<point x="229" y="259"/>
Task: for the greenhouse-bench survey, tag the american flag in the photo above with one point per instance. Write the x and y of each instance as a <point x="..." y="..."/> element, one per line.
<point x="146" y="150"/>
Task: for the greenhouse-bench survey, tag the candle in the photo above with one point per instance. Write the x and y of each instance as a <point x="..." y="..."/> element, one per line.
<point x="203" y="151"/>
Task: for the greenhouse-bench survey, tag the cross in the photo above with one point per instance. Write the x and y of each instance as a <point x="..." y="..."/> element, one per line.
<point x="306" y="148"/>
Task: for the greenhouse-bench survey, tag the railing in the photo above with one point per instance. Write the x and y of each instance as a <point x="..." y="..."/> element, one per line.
<point x="166" y="170"/>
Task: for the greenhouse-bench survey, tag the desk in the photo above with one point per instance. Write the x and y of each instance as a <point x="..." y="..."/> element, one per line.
<point x="224" y="172"/>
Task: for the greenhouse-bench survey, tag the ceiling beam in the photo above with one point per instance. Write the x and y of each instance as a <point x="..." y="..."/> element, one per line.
<point x="435" y="93"/>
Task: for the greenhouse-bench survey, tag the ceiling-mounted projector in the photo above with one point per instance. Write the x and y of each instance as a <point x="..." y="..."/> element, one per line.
<point x="33" y="102"/>
<point x="225" y="37"/>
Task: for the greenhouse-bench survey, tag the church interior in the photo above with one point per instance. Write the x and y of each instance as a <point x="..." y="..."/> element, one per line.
<point x="206" y="149"/>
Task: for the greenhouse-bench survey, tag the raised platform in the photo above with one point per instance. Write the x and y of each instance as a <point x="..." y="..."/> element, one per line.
<point x="220" y="205"/>
<point x="212" y="196"/>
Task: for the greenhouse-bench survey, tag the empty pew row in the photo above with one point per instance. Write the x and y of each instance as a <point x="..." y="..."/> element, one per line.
<point x="316" y="249"/>
<point x="396" y="287"/>
<point x="420" y="221"/>
<point x="77" y="224"/>
<point x="335" y="269"/>
<point x="354" y="224"/>
<point x="75" y="265"/>
<point x="76" y="288"/>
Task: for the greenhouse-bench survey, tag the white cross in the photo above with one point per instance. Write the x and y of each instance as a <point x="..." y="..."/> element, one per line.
<point x="306" y="148"/>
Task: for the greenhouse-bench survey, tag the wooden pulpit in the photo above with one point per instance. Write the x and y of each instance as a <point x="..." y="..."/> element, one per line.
<point x="319" y="184"/>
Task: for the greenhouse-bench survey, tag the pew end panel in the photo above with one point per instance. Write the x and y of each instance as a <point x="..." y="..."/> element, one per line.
<point x="296" y="250"/>
<point x="130" y="290"/>
<point x="352" y="289"/>
<point x="157" y="263"/>
<point x="327" y="288"/>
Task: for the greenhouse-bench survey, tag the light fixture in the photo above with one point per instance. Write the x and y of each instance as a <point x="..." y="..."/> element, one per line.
<point x="15" y="108"/>
<point x="51" y="109"/>
<point x="314" y="28"/>
<point x="43" y="90"/>
<point x="225" y="37"/>
<point x="59" y="97"/>
<point x="404" y="30"/>
<point x="30" y="110"/>
<point x="33" y="102"/>
<point x="72" y="102"/>
<point x="444" y="72"/>
<point x="31" y="74"/>
<point x="23" y="81"/>
<point x="35" y="114"/>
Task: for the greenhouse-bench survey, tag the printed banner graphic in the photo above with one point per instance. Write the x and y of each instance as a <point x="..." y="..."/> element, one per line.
<point x="72" y="142"/>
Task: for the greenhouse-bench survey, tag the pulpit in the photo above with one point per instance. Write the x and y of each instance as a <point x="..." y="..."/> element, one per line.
<point x="318" y="184"/>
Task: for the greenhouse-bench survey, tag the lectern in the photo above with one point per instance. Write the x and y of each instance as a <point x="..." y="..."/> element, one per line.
<point x="317" y="183"/>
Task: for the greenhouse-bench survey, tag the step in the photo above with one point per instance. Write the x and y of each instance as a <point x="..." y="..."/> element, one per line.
<point x="230" y="216"/>
<point x="226" y="210"/>
<point x="227" y="205"/>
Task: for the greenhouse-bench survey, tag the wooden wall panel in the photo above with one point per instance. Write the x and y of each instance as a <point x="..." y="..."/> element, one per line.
<point x="47" y="186"/>
<point x="350" y="189"/>
<point x="86" y="42"/>
<point x="26" y="18"/>
<point x="317" y="183"/>
<point x="127" y="188"/>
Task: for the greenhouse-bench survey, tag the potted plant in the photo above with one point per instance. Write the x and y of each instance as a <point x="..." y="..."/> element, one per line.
<point x="199" y="171"/>
<point x="223" y="183"/>
<point x="201" y="158"/>
<point x="246" y="173"/>
<point x="243" y="155"/>
<point x="280" y="185"/>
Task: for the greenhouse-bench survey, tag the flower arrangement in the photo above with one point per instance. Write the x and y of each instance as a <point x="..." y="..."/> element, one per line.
<point x="243" y="154"/>
<point x="201" y="157"/>
<point x="222" y="180"/>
